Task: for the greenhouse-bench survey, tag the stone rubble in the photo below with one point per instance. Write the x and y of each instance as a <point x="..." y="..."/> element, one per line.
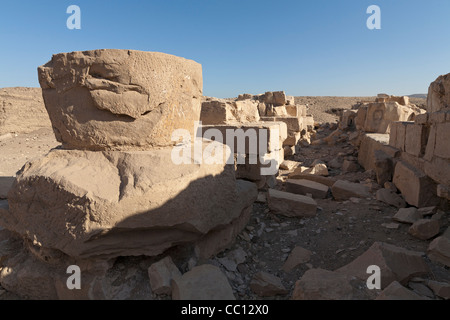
<point x="141" y="226"/>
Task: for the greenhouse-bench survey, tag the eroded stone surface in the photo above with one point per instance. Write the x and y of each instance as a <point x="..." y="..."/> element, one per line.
<point x="120" y="99"/>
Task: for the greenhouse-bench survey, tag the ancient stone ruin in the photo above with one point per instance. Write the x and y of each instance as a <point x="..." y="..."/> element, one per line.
<point x="112" y="189"/>
<point x="292" y="209"/>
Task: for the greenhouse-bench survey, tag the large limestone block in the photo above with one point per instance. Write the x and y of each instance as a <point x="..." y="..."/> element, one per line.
<point x="442" y="147"/>
<point x="320" y="284"/>
<point x="416" y="187"/>
<point x="396" y="264"/>
<point x="294" y="124"/>
<point x="303" y="186"/>
<point x="397" y="136"/>
<point x="344" y="190"/>
<point x="438" y="169"/>
<point x="380" y="116"/>
<point x="220" y="111"/>
<point x="248" y="138"/>
<point x="370" y="143"/>
<point x="416" y="140"/>
<point x="277" y="98"/>
<point x="439" y="250"/>
<point x="205" y="282"/>
<point x="107" y="204"/>
<point x="439" y="94"/>
<point x="360" y="118"/>
<point x="290" y="204"/>
<point x="395" y="291"/>
<point x="120" y="99"/>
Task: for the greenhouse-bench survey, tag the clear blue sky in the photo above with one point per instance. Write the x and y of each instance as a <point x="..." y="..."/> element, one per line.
<point x="303" y="47"/>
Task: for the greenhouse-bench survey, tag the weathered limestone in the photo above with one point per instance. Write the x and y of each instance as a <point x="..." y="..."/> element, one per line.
<point x="205" y="282"/>
<point x="395" y="291"/>
<point x="396" y="264"/>
<point x="289" y="165"/>
<point x="267" y="285"/>
<point x="344" y="190"/>
<point x="277" y="98"/>
<point x="441" y="289"/>
<point x="219" y="111"/>
<point x="161" y="274"/>
<point x="220" y="239"/>
<point x="407" y="215"/>
<point x="259" y="138"/>
<point x="371" y="143"/>
<point x="347" y="120"/>
<point x="293" y="124"/>
<point x="416" y="187"/>
<point x="439" y="250"/>
<point x="424" y="147"/>
<point x="377" y="117"/>
<point x="127" y="190"/>
<point x="317" y="190"/>
<point x="424" y="229"/>
<point x="439" y="94"/>
<point x="291" y="205"/>
<point x="302" y="174"/>
<point x="120" y="99"/>
<point x="391" y="198"/>
<point x="320" y="284"/>
<point x="297" y="257"/>
<point x="113" y="194"/>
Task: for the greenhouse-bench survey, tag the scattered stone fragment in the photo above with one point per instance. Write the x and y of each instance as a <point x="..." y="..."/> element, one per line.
<point x="297" y="257"/>
<point x="297" y="174"/>
<point x="441" y="289"/>
<point x="391" y="225"/>
<point x="389" y="185"/>
<point x="320" y="284"/>
<point x="424" y="229"/>
<point x="205" y="282"/>
<point x="428" y="211"/>
<point x="289" y="165"/>
<point x="350" y="166"/>
<point x="421" y="289"/>
<point x="319" y="169"/>
<point x="302" y="186"/>
<point x="228" y="264"/>
<point x="267" y="285"/>
<point x="391" y="198"/>
<point x="262" y="198"/>
<point x="291" y="205"/>
<point x="355" y="200"/>
<point x="335" y="163"/>
<point x="396" y="264"/>
<point x="407" y="215"/>
<point x="161" y="274"/>
<point x="344" y="190"/>
<point x="395" y="291"/>
<point x="439" y="250"/>
<point x="438" y="216"/>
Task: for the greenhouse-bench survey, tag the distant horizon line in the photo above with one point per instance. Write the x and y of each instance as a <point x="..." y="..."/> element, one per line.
<point x="414" y="95"/>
